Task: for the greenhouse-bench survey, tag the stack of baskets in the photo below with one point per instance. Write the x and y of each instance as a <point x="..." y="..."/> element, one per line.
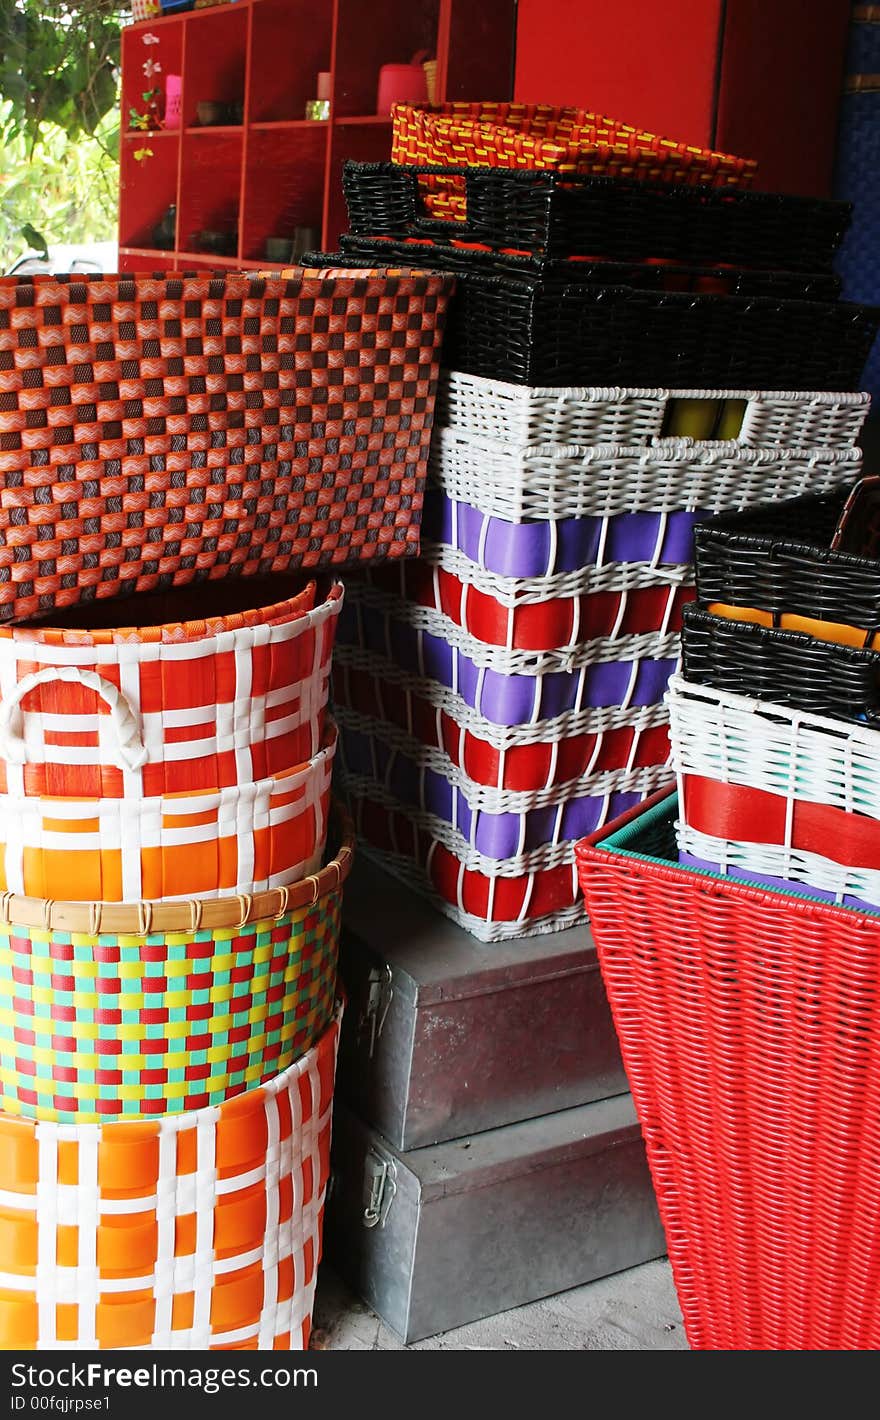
<point x="504" y="696"/>
<point x="169" y="897"/>
<point x="774" y="721"/>
<point x="739" y="936"/>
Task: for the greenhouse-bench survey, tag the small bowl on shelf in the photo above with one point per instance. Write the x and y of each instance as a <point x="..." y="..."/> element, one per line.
<point x="218" y="243"/>
<point x="279" y="249"/>
<point x="211" y="114"/>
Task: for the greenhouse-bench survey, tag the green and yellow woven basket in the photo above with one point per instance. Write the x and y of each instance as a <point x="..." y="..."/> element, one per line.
<point x="114" y="1012"/>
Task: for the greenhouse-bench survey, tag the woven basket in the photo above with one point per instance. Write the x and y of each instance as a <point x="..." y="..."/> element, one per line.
<point x="598" y="216"/>
<point x="127" y="1012"/>
<point x="236" y="694"/>
<point x="779" y="561"/>
<point x="744" y="1018"/>
<point x="526" y="330"/>
<point x="378" y="761"/>
<point x="195" y="1232"/>
<point x="445" y="252"/>
<point x="509" y="687"/>
<point x="269" y="833"/>
<point x="788" y="668"/>
<point x="155" y="430"/>
<point x="493" y="901"/>
<point x="776" y="791"/>
<point x="566" y="140"/>
<point x="550" y="756"/>
<point x="516" y="414"/>
<point x="553" y="482"/>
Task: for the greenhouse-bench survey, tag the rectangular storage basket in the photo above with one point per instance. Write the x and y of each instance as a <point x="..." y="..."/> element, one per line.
<point x="744" y="1017"/>
<point x="528" y="330"/>
<point x="566" y="140"/>
<point x="779" y="561"/>
<point x="517" y="414"/>
<point x="789" y="668"/>
<point x="783" y="793"/>
<point x="492" y="900"/>
<point x="532" y="331"/>
<point x="544" y="754"/>
<point x="155" y="430"/>
<point x="193" y="1232"/>
<point x="134" y="1012"/>
<point x="599" y="216"/>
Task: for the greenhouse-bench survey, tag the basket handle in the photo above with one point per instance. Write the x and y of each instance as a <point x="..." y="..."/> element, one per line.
<point x="131" y="753"/>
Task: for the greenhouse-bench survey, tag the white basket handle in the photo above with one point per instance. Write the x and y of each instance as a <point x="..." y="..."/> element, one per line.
<point x="131" y="753"/>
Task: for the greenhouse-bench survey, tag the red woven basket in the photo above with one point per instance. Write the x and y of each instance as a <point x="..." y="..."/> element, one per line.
<point x="749" y="1023"/>
<point x="567" y="140"/>
<point x="155" y="430"/>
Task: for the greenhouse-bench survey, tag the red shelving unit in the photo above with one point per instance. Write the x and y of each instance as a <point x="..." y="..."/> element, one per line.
<point x="276" y="170"/>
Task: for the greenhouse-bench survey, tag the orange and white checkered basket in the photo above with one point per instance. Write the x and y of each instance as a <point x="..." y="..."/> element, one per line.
<point x="249" y="838"/>
<point x="196" y="1231"/>
<point x="237" y="693"/>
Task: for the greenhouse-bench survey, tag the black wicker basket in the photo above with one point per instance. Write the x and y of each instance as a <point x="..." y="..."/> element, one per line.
<point x="785" y="667"/>
<point x="600" y="216"/>
<point x="778" y="559"/>
<point x="538" y="330"/>
<point x="442" y="252"/>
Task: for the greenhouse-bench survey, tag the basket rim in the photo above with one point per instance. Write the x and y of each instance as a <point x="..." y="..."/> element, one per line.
<point x="143" y="918"/>
<point x="711" y="533"/>
<point x="615" y="839"/>
<point x="776" y="635"/>
<point x="536" y="177"/>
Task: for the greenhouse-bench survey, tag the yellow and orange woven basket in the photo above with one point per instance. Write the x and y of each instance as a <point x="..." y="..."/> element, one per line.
<point x="566" y="140"/>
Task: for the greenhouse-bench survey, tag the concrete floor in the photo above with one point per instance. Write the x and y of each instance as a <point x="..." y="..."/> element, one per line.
<point x="631" y="1311"/>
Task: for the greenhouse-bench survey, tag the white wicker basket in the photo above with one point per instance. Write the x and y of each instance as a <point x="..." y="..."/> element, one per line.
<point x="768" y="790"/>
<point x="518" y="414"/>
<point x="554" y="481"/>
<point x="533" y="591"/>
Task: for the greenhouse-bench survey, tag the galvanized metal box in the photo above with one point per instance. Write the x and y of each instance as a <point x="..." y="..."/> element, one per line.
<point x="446" y="1036"/>
<point x="437" y="1237"/>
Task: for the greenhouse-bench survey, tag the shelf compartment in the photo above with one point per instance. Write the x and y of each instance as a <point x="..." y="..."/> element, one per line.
<point x="291" y="44"/>
<point x="369" y="36"/>
<point x="210" y="191"/>
<point x="215" y="60"/>
<point x="364" y="143"/>
<point x="284" y="185"/>
<point x="148" y="187"/>
<point x="167" y="53"/>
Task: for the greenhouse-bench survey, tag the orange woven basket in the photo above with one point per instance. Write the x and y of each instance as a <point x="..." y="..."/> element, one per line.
<point x="219" y="685"/>
<point x="567" y="140"/>
<point x="155" y="430"/>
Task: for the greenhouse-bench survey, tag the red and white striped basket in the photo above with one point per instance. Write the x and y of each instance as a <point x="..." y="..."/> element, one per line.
<point x="776" y="794"/>
<point x="92" y="710"/>
<point x="199" y="843"/>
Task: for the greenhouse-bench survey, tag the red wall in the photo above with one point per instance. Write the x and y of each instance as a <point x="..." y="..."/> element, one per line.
<point x="648" y="62"/>
<point x="757" y="77"/>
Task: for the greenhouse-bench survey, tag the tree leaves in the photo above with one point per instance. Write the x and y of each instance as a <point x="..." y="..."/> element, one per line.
<point x="59" y="64"/>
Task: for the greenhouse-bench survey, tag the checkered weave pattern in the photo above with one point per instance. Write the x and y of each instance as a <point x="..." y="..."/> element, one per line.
<point x="197" y="1231"/>
<point x="219" y="701"/>
<point x="116" y="1026"/>
<point x="156" y="430"/>
<point x="269" y="833"/>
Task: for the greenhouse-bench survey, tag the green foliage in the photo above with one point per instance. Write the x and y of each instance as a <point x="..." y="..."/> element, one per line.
<point x="59" y="64"/>
<point x="59" y="122"/>
<point x="67" y="191"/>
